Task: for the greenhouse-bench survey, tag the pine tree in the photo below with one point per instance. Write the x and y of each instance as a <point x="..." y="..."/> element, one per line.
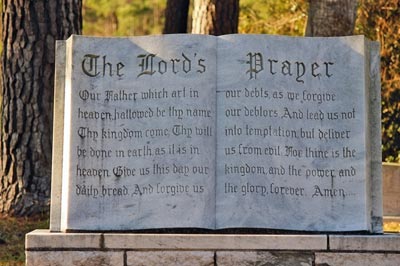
<point x="30" y="29"/>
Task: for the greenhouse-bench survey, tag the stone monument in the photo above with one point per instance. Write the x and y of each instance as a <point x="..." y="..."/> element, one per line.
<point x="254" y="134"/>
<point x="250" y="131"/>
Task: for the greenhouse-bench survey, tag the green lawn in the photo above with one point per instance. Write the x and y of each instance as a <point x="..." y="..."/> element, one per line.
<point x="12" y="238"/>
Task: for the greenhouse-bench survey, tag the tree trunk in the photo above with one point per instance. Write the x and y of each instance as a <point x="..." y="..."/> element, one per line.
<point x="30" y="29"/>
<point x="176" y="16"/>
<point x="331" y="17"/>
<point x="215" y="17"/>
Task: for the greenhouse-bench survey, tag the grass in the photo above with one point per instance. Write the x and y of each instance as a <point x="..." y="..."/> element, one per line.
<point x="12" y="237"/>
<point x="13" y="230"/>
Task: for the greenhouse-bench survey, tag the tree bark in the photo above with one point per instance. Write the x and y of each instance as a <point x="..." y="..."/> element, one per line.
<point x="30" y="29"/>
<point x="331" y="17"/>
<point x="215" y="17"/>
<point x="176" y="16"/>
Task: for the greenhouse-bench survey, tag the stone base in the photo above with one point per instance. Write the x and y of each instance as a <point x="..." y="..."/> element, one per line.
<point x="102" y="249"/>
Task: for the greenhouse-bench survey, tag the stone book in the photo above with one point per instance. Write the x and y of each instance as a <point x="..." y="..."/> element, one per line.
<point x="235" y="131"/>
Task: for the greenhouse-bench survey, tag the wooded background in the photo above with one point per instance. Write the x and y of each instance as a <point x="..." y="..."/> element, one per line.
<point x="30" y="28"/>
<point x="376" y="19"/>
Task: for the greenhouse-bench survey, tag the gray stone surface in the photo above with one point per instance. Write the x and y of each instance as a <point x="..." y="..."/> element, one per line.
<point x="389" y="242"/>
<point x="356" y="259"/>
<point x="58" y="137"/>
<point x="139" y="133"/>
<point x="375" y="142"/>
<point x="44" y="239"/>
<point x="251" y="258"/>
<point x="178" y="258"/>
<point x="64" y="249"/>
<point x="294" y="151"/>
<point x="74" y="258"/>
<point x="291" y="141"/>
<point x="214" y="242"/>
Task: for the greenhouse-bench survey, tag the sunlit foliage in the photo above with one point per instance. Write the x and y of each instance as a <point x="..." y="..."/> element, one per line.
<point x="123" y="17"/>
<point x="379" y="20"/>
<point x="285" y="17"/>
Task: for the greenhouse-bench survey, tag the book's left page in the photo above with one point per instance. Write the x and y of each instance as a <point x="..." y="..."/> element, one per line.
<point x="139" y="141"/>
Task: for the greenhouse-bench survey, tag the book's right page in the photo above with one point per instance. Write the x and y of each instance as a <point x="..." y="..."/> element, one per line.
<point x="292" y="141"/>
